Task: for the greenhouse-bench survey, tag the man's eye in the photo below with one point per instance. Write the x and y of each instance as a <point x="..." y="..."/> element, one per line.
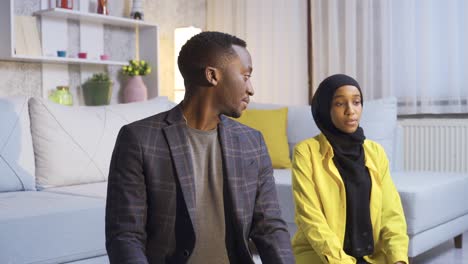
<point x="247" y="76"/>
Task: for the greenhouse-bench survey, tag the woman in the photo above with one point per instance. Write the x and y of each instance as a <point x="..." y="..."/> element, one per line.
<point x="347" y="207"/>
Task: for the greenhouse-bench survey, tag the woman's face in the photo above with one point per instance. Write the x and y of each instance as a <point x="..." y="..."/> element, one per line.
<point x="346" y="108"/>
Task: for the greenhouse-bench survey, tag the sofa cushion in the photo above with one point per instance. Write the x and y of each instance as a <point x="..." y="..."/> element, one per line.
<point x="73" y="145"/>
<point x="272" y="124"/>
<point x="379" y="121"/>
<point x="425" y="195"/>
<point x="41" y="227"/>
<point x="16" y="150"/>
<point x="301" y="125"/>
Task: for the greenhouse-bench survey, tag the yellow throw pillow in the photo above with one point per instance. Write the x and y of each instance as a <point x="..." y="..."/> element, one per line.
<point x="272" y="123"/>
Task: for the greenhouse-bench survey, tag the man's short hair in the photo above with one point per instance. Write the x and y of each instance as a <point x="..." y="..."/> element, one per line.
<point x="208" y="48"/>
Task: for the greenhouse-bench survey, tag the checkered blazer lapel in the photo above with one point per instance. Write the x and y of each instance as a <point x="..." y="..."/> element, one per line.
<point x="176" y="134"/>
<point x="231" y="146"/>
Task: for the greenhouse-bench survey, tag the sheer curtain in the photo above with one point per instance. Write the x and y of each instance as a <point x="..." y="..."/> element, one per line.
<point x="276" y="35"/>
<point x="405" y="48"/>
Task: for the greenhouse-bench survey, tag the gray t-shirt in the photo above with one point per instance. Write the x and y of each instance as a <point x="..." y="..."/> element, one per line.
<point x="210" y="232"/>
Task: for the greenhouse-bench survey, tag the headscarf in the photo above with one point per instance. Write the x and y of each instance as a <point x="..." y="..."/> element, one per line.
<point x="349" y="159"/>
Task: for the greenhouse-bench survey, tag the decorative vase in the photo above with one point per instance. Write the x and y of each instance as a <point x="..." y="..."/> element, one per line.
<point x="102" y="7"/>
<point x="137" y="10"/>
<point x="62" y="96"/>
<point x="97" y="93"/>
<point x="135" y="90"/>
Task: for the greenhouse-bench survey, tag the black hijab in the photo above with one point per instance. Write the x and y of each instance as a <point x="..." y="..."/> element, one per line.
<point x="350" y="161"/>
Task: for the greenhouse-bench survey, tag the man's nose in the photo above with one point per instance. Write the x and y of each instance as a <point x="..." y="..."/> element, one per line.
<point x="250" y="89"/>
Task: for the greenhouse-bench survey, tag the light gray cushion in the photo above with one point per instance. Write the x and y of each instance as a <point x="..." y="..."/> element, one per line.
<point x="379" y="121"/>
<point x="301" y="125"/>
<point x="73" y="145"/>
<point x="431" y="198"/>
<point x="16" y="151"/>
<point x="41" y="227"/>
<point x="96" y="190"/>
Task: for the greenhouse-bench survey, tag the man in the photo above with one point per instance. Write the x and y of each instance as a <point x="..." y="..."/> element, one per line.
<point x="191" y="185"/>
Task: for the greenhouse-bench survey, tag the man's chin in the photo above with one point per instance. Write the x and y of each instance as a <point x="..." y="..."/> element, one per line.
<point x="234" y="114"/>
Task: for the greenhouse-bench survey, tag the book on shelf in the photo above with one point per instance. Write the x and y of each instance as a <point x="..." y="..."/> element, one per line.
<point x="27" y="41"/>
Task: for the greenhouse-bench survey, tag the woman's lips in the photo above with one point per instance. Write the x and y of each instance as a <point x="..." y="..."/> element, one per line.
<point x="351" y="123"/>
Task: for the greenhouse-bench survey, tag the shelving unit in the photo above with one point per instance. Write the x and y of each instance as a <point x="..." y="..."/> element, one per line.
<point x="54" y="36"/>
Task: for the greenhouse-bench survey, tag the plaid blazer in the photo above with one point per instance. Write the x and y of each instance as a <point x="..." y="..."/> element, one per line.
<point x="151" y="194"/>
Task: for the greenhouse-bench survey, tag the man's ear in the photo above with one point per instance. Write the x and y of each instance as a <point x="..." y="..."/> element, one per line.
<point x="212" y="75"/>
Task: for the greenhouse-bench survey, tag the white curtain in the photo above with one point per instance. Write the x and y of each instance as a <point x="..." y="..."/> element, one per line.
<point x="276" y="36"/>
<point x="410" y="49"/>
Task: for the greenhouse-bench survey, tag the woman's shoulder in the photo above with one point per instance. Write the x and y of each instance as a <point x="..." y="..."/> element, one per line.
<point x="373" y="148"/>
<point x="310" y="144"/>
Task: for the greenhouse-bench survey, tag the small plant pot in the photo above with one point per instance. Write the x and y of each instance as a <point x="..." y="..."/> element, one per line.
<point x="61" y="53"/>
<point x="97" y="93"/>
<point x="82" y="55"/>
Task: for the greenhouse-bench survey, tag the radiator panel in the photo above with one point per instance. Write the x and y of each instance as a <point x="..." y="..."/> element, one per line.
<point x="435" y="144"/>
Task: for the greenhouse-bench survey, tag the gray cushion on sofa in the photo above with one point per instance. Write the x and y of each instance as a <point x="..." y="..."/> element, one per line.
<point x="43" y="227"/>
<point x="73" y="145"/>
<point x="16" y="150"/>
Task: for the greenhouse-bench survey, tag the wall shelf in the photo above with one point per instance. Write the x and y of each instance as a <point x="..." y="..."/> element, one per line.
<point x="91" y="17"/>
<point x="44" y="59"/>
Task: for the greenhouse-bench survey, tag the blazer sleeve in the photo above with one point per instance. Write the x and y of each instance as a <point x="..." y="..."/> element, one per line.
<point x="393" y="231"/>
<point x="309" y="217"/>
<point x="269" y="231"/>
<point x="126" y="202"/>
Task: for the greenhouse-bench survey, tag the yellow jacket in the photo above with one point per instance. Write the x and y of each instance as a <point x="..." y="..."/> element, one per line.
<point x="320" y="199"/>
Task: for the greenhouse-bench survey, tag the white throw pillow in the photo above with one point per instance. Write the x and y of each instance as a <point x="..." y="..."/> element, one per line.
<point x="73" y="145"/>
<point x="16" y="151"/>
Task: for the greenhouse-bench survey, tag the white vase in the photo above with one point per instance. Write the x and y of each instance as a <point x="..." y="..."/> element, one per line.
<point x="137" y="10"/>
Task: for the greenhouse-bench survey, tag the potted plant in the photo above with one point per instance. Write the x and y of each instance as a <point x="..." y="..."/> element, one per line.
<point x="97" y="90"/>
<point x="135" y="90"/>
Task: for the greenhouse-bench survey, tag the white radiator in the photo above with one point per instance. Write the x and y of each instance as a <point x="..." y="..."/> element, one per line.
<point x="435" y="144"/>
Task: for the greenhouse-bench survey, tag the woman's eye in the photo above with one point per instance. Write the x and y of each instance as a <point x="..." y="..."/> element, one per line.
<point x="357" y="102"/>
<point x="338" y="104"/>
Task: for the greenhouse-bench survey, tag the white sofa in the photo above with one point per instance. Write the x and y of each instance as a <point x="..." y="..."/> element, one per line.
<point x="434" y="202"/>
<point x="54" y="161"/>
<point x="53" y="168"/>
